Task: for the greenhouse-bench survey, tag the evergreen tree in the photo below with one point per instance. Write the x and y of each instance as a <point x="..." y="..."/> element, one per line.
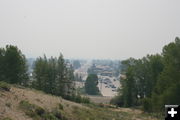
<point x="70" y="81"/>
<point x="91" y="85"/>
<point x="2" y="66"/>
<point x="129" y="92"/>
<point x="54" y="76"/>
<point x="13" y="67"/>
<point x="61" y="76"/>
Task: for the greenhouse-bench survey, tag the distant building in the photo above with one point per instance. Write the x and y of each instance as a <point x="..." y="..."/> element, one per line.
<point x="106" y="73"/>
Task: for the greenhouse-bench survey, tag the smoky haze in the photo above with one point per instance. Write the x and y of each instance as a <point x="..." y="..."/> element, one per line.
<point x="104" y="29"/>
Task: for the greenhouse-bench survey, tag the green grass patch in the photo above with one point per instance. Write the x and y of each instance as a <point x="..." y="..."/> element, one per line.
<point x="32" y="110"/>
<point x="6" y="118"/>
<point x="60" y="106"/>
<point x="97" y="113"/>
<point x="5" y="86"/>
<point x="38" y="113"/>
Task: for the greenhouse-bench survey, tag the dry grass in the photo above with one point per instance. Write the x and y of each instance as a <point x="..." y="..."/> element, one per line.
<point x="9" y="107"/>
<point x="9" y="102"/>
<point x="99" y="99"/>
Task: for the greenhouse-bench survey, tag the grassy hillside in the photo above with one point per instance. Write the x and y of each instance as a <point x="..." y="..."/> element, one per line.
<point x="26" y="104"/>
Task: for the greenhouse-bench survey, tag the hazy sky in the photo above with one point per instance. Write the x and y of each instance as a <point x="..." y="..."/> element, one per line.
<point x="115" y="29"/>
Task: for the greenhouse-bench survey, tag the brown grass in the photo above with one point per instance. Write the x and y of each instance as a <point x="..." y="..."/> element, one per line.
<point x="9" y="107"/>
<point x="99" y="99"/>
<point x="9" y="102"/>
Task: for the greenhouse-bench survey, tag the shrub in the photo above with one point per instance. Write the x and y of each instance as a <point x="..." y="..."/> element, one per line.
<point x="8" y="104"/>
<point x="117" y="100"/>
<point x="67" y="105"/>
<point x="40" y="111"/>
<point x="61" y="106"/>
<point x="85" y="100"/>
<point x="78" y="98"/>
<point x="4" y="86"/>
<point x="25" y="105"/>
<point x="57" y="114"/>
<point x="31" y="109"/>
<point x="147" y="106"/>
<point x="7" y="118"/>
<point x="49" y="116"/>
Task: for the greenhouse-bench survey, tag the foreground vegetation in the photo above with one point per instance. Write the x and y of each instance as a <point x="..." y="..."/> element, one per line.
<point x="38" y="113"/>
<point x="29" y="104"/>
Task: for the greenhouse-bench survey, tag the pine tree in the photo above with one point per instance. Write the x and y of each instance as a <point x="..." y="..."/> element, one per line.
<point x="91" y="85"/>
<point x="60" y="83"/>
<point x="2" y="66"/>
<point x="13" y="67"/>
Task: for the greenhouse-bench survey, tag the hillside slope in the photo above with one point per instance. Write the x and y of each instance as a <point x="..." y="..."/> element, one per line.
<point x="28" y="104"/>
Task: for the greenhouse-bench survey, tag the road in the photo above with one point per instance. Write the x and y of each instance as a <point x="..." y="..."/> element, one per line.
<point x="105" y="89"/>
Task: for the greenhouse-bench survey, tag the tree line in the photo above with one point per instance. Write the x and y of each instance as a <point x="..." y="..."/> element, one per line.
<point x="54" y="76"/>
<point x="152" y="81"/>
<point x="51" y="75"/>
